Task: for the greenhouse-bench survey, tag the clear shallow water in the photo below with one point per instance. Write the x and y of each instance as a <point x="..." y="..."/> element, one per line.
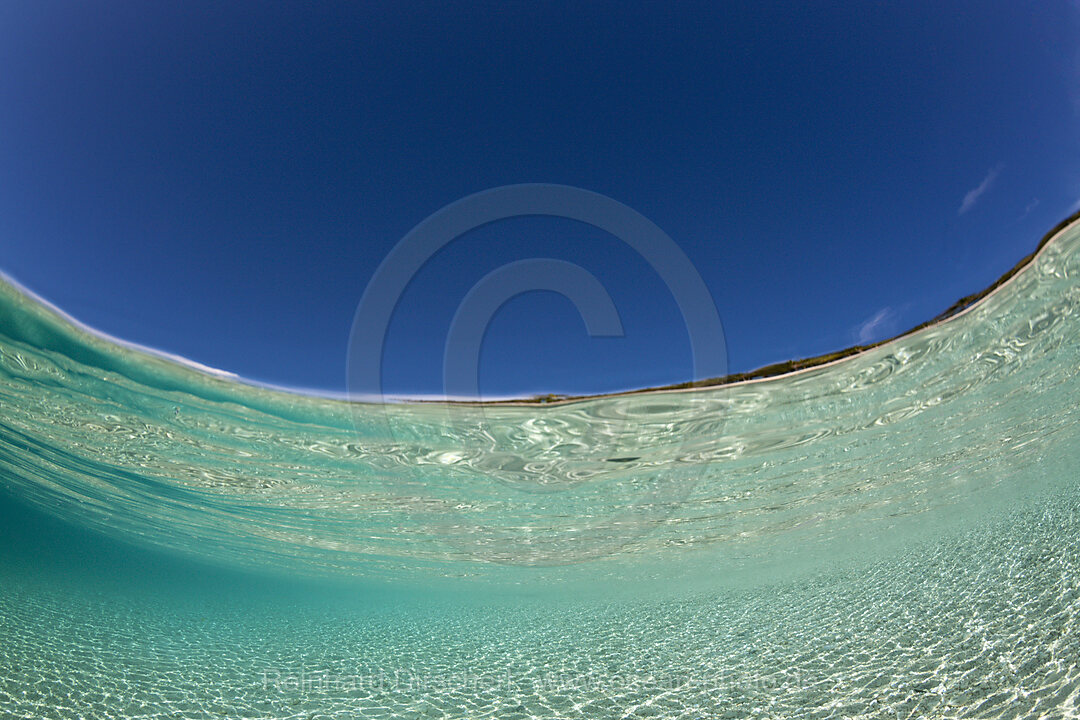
<point x="982" y="625"/>
<point x="891" y="535"/>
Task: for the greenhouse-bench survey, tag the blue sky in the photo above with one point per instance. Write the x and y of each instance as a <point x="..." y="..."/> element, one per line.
<point x="221" y="180"/>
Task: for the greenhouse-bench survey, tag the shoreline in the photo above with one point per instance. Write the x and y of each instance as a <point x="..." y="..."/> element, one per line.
<point x="213" y="376"/>
<point x="800" y="365"/>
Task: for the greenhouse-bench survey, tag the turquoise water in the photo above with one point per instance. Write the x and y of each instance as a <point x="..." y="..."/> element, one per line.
<point x="891" y="535"/>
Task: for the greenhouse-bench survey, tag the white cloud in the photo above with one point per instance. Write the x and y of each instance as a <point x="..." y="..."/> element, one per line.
<point x="874" y="327"/>
<point x="977" y="192"/>
<point x="1035" y="202"/>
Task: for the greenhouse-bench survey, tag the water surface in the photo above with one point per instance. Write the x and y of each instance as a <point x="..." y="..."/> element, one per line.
<point x="891" y="535"/>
